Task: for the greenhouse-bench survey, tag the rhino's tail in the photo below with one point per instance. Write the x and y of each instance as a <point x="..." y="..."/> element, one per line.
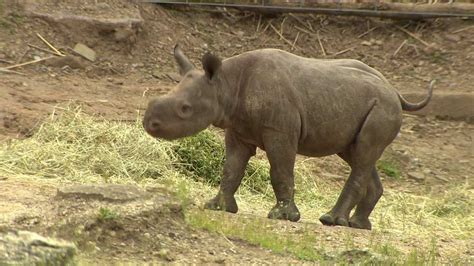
<point x="407" y="106"/>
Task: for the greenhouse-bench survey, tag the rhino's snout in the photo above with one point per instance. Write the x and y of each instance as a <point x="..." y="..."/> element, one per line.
<point x="167" y="117"/>
<point x="153" y="125"/>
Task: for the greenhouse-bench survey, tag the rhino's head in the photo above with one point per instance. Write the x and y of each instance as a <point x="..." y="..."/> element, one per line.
<point x="191" y="106"/>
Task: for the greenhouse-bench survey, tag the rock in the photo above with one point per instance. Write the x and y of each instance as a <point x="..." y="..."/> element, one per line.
<point x="92" y="22"/>
<point x="106" y="192"/>
<point x="453" y="106"/>
<point x="166" y="254"/>
<point x="417" y="176"/>
<point x="453" y="37"/>
<point x="85" y="51"/>
<point x="157" y="74"/>
<point x="28" y="248"/>
<point x="240" y="33"/>
<point x="124" y="34"/>
<point x="69" y="60"/>
<point x="174" y="76"/>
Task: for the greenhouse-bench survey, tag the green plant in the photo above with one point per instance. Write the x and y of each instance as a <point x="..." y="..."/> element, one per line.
<point x="389" y="167"/>
<point x="201" y="156"/>
<point x="106" y="214"/>
<point x="259" y="232"/>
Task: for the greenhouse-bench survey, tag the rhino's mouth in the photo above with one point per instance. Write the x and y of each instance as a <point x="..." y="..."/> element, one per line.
<point x="162" y="134"/>
<point x="167" y="132"/>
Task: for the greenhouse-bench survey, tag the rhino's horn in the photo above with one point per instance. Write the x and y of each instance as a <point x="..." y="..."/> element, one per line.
<point x="184" y="64"/>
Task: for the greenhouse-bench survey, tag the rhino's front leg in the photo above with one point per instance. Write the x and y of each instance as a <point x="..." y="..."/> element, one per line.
<point x="238" y="154"/>
<point x="281" y="153"/>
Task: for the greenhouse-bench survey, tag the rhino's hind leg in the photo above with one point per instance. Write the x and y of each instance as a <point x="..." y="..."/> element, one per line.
<point x="363" y="188"/>
<point x="237" y="157"/>
<point x="281" y="154"/>
<point x="353" y="191"/>
<point x="360" y="218"/>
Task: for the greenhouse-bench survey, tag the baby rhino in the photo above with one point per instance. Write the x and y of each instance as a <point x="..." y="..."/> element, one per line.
<point x="285" y="105"/>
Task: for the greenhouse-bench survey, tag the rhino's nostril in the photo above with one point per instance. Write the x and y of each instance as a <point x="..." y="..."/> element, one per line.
<point x="154" y="124"/>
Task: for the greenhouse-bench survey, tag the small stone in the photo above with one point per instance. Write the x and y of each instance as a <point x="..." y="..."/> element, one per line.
<point x="220" y="260"/>
<point x="85" y="51"/>
<point x="63" y="61"/>
<point x="174" y="76"/>
<point x="417" y="176"/>
<point x="165" y="254"/>
<point x="366" y="43"/>
<point x="147" y="235"/>
<point x="105" y="192"/>
<point x="453" y="37"/>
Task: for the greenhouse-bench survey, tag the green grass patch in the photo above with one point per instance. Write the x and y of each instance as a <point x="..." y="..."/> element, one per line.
<point x="389" y="167"/>
<point x="258" y="232"/>
<point x="106" y="214"/>
<point x="202" y="157"/>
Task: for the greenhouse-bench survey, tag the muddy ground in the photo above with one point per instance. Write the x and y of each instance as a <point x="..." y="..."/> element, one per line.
<point x="134" y="41"/>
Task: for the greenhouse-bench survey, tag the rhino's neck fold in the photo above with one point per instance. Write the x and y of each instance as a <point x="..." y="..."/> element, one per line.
<point x="230" y="86"/>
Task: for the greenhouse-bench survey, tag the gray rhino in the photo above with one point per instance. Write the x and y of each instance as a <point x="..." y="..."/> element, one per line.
<point x="285" y="105"/>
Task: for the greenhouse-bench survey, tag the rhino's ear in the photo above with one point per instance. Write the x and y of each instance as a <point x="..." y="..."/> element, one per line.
<point x="211" y="65"/>
<point x="183" y="62"/>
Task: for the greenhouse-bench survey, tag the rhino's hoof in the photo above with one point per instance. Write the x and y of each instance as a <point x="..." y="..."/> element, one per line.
<point x="329" y="219"/>
<point x="220" y="204"/>
<point x="360" y="223"/>
<point x="285" y="211"/>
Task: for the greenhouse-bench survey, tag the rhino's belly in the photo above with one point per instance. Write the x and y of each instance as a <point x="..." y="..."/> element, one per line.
<point x="330" y="137"/>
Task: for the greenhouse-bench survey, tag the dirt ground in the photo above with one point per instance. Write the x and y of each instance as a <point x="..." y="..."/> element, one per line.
<point x="133" y="43"/>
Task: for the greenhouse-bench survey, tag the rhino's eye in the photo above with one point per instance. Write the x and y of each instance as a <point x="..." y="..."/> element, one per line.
<point x="185" y="110"/>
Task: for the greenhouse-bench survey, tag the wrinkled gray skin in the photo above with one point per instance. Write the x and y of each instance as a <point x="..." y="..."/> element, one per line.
<point x="287" y="105"/>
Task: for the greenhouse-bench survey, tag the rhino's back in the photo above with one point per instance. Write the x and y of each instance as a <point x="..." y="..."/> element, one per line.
<point x="332" y="97"/>
<point x="330" y="87"/>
